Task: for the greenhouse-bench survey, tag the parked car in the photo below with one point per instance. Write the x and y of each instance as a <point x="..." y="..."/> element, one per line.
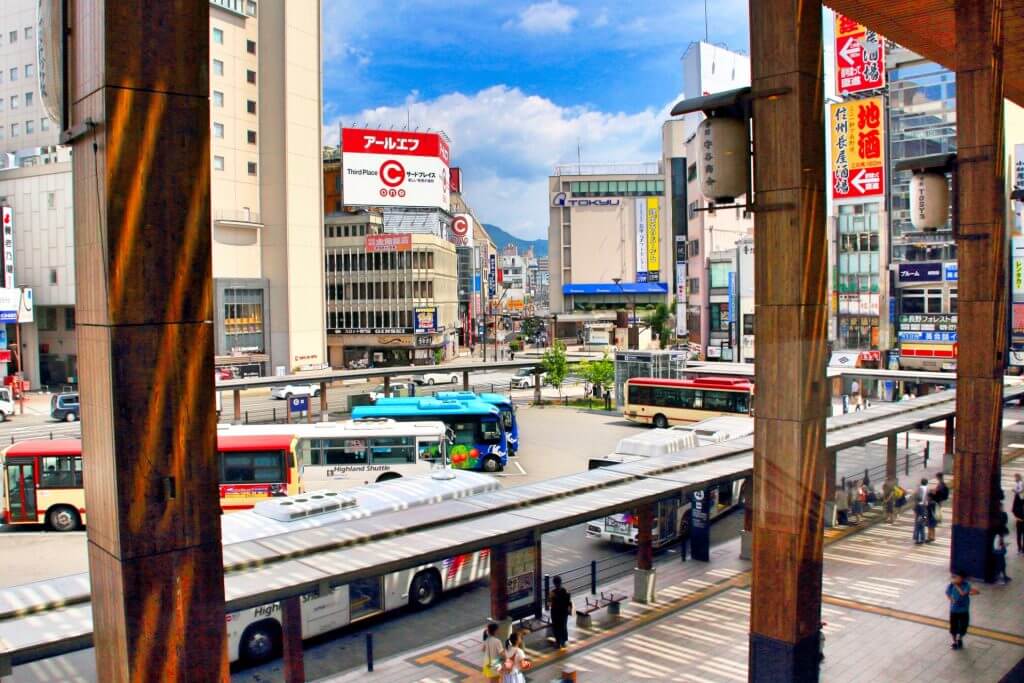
<point x="7" y="403"/>
<point x="396" y="391"/>
<point x="437" y="378"/>
<point x="64" y="407"/>
<point x="523" y="379"/>
<point x="288" y="390"/>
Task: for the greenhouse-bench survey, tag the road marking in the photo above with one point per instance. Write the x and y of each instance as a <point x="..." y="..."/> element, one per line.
<point x="443" y="658"/>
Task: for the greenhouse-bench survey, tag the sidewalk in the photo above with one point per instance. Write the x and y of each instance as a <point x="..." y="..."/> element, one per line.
<point x="884" y="607"/>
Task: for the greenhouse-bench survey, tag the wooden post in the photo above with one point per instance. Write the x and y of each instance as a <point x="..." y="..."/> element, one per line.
<point x="291" y="627"/>
<point x="950" y="434"/>
<point x="141" y="173"/>
<point x="790" y="295"/>
<point x="981" y="250"/>
<point x="236" y="397"/>
<point x="324" y="412"/>
<point x="890" y="457"/>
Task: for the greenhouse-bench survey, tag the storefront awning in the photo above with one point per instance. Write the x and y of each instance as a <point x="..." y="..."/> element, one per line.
<point x="612" y="288"/>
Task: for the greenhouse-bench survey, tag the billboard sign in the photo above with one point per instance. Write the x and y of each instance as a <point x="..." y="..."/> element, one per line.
<point x="385" y="242"/>
<point x="462" y="229"/>
<point x="653" y="239"/>
<point x="425" y="318"/>
<point x="858" y="142"/>
<point x="7" y="214"/>
<point x="10" y="304"/>
<point x="641" y="239"/>
<point x="1017" y="273"/>
<point x="492" y="275"/>
<point x="1018" y="185"/>
<point x="919" y="272"/>
<point x="860" y="57"/>
<point x="394" y="168"/>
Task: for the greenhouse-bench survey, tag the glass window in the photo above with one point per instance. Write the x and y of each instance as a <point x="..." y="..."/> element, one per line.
<point x="218" y="36"/>
<point x="61" y="472"/>
<point x="12" y="37"/>
<point x="218" y="98"/>
<point x="250" y="106"/>
<point x="393" y="450"/>
<point x="218" y="67"/>
<point x="252" y="167"/>
<point x="3" y="104"/>
<point x="30" y="70"/>
<point x="250" y="136"/>
<point x="218" y="163"/>
<point x="218" y="130"/>
<point x="723" y="401"/>
<point x="490" y="430"/>
<point x="14" y="101"/>
<point x="250" y="8"/>
<point x="748" y="323"/>
<point x="30" y="127"/>
<point x="720" y="274"/>
<point x="29" y="31"/>
<point x="250" y="76"/>
<point x="429" y="449"/>
<point x="252" y="467"/>
<point x="44" y="123"/>
<point x="14" y="130"/>
<point x="342" y="451"/>
<point x="69" y="318"/>
<point x="250" y="46"/>
<point x="719" y="317"/>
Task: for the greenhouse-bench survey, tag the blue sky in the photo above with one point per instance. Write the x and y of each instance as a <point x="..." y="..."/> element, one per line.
<point x="516" y="85"/>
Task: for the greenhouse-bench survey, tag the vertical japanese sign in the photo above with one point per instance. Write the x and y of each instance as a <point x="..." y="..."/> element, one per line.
<point x="857" y="143"/>
<point x="641" y="239"/>
<point x="860" y="57"/>
<point x="492" y="275"/>
<point x="653" y="240"/>
<point x="1018" y="185"/>
<point x="7" y="214"/>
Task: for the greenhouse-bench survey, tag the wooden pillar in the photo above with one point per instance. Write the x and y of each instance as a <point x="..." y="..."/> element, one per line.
<point x="499" y="584"/>
<point x="981" y="250"/>
<point x="538" y="579"/>
<point x="791" y="324"/>
<point x="890" y="457"/>
<point x="291" y="627"/>
<point x="950" y="433"/>
<point x="140" y="90"/>
<point x="644" y="545"/>
<point x="236" y="399"/>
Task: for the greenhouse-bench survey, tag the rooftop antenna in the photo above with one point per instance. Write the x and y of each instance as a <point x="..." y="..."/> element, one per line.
<point x="579" y="156"/>
<point x="408" y="118"/>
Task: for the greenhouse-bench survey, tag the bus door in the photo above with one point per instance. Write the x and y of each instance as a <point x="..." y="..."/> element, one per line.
<point x="508" y="422"/>
<point x="668" y="519"/>
<point x="365" y="598"/>
<point x="21" y="490"/>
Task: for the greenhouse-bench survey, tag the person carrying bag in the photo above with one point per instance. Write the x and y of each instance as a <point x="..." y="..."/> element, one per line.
<point x="515" y="661"/>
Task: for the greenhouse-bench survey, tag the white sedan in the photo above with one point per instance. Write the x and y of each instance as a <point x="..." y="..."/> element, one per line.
<point x="288" y="390"/>
<point x="432" y="378"/>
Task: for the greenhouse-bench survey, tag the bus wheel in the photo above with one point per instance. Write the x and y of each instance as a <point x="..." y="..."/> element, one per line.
<point x="425" y="589"/>
<point x="660" y="421"/>
<point x="388" y="476"/>
<point x="492" y="464"/>
<point x="260" y="641"/>
<point x="63" y="518"/>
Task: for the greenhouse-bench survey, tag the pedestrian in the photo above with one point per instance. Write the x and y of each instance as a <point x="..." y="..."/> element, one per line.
<point x="515" y="661"/>
<point x="560" y="604"/>
<point x="855" y="392"/>
<point x="842" y="506"/>
<point x="889" y="500"/>
<point x="494" y="653"/>
<point x="940" y="494"/>
<point x="920" y="523"/>
<point x="959" y="592"/>
<point x="999" y="553"/>
<point x="863" y="497"/>
<point x="1018" y="512"/>
<point x="854" y="504"/>
<point x="900" y="496"/>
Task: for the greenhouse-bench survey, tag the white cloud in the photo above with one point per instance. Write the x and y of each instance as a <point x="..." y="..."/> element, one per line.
<point x="547" y="17"/>
<point x="508" y="142"/>
<point x="601" y="19"/>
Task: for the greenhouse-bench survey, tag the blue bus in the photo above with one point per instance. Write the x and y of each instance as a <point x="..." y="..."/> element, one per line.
<point x="480" y="442"/>
<point x="504" y="404"/>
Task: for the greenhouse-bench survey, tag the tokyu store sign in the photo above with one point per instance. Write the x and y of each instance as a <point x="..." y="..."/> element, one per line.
<point x="394" y="168"/>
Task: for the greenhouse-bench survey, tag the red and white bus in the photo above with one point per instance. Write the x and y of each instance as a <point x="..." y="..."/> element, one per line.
<point x="664" y="402"/>
<point x="42" y="479"/>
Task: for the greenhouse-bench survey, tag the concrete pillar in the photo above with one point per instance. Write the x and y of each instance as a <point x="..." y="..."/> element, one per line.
<point x="644" y="574"/>
<point x="981" y="223"/>
<point x="499" y="590"/>
<point x="890" y="457"/>
<point x="949" y="445"/>
<point x="791" y="328"/>
<point x="141" y="174"/>
<point x="291" y="627"/>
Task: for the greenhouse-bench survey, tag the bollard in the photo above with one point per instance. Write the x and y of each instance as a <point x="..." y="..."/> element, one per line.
<point x="274" y="418"/>
<point x="369" y="652"/>
<point x="51" y="436"/>
<point x="907" y="466"/>
<point x="247" y="417"/>
<point x="593" y="577"/>
<point x="927" y="452"/>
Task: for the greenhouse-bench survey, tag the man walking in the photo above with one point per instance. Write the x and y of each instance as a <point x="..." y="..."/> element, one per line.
<point x="959" y="593"/>
<point x="1018" y="511"/>
<point x="560" y="604"/>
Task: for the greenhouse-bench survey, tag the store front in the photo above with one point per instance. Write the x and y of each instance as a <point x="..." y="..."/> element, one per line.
<point x="354" y="351"/>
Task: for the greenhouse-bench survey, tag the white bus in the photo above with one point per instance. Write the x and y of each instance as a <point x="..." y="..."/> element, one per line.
<point x="255" y="634"/>
<point x="340" y="455"/>
<point x="672" y="514"/>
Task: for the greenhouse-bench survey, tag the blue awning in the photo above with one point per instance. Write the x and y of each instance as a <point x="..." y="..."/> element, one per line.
<point x="612" y="288"/>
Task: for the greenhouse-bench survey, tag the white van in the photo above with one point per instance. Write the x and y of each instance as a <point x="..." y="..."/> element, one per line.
<point x="6" y="403"/>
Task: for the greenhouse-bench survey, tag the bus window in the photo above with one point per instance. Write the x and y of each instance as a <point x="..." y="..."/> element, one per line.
<point x="506" y="419"/>
<point x="307" y="455"/>
<point x="429" y="449"/>
<point x="240" y="467"/>
<point x="490" y="431"/>
<point x="61" y="472"/>
<point x="365" y="597"/>
<point x="742" y="404"/>
<point x="463" y="434"/>
<point x="343" y="451"/>
<point x="723" y="401"/>
<point x="392" y="450"/>
<point x="639" y="395"/>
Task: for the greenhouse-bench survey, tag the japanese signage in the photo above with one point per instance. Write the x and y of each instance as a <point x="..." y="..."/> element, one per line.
<point x="1017" y="272"/>
<point x="462" y="229"/>
<point x="701" y="504"/>
<point x="1018" y="185"/>
<point x="492" y="276"/>
<point x="951" y="272"/>
<point x="919" y="272"/>
<point x="394" y="168"/>
<point x="653" y="239"/>
<point x="8" y="261"/>
<point x="860" y="57"/>
<point x="425" y="318"/>
<point x="927" y="327"/>
<point x="1018" y="319"/>
<point x="641" y="239"/>
<point x="522" y="578"/>
<point x="455" y="180"/>
<point x="857" y="149"/>
<point x="388" y="242"/>
<point x="298" y="404"/>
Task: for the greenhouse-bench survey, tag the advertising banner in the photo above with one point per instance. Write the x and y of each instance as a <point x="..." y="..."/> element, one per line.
<point x="919" y="272"/>
<point x="860" y="57"/>
<point x="388" y="242"/>
<point x="653" y="239"/>
<point x="1018" y="185"/>
<point x="10" y="303"/>
<point x="425" y="318"/>
<point x="1017" y="274"/>
<point x="732" y="297"/>
<point x="858" y="142"/>
<point x="26" y="310"/>
<point x="492" y="276"/>
<point x="462" y="229"/>
<point x="394" y="168"/>
<point x="522" y="578"/>
<point x="641" y="239"/>
<point x="7" y="214"/>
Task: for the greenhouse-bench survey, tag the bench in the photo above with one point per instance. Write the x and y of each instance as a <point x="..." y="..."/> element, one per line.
<point x="533" y="624"/>
<point x="609" y="600"/>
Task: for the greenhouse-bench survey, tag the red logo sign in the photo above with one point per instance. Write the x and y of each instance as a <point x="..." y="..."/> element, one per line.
<point x="858" y="149"/>
<point x="860" y="57"/>
<point x="460" y="226"/>
<point x="392" y="173"/>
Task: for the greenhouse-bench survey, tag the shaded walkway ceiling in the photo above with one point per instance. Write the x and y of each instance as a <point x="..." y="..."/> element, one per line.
<point x="928" y="27"/>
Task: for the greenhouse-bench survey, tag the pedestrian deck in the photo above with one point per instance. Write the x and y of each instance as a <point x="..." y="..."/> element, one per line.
<point x="884" y="608"/>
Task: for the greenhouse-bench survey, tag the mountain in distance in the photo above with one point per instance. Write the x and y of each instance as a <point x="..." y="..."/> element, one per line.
<point x="502" y="238"/>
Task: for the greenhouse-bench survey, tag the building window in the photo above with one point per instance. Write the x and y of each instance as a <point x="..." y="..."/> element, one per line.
<point x="30" y="70"/>
<point x="252" y="168"/>
<point x="3" y="104"/>
<point x="251" y="137"/>
<point x="719" y="318"/>
<point x="53" y="276"/>
<point x="14" y="101"/>
<point x="243" y="319"/>
<point x="51" y="200"/>
<point x="30" y="127"/>
<point x="250" y="46"/>
<point x="218" y="67"/>
<point x="46" y="318"/>
<point x="218" y="163"/>
<point x="748" y="323"/>
<point x="44" y="123"/>
<point x="69" y="318"/>
<point x="250" y="106"/>
<point x="250" y="8"/>
<point x="218" y="130"/>
<point x="13" y="73"/>
<point x="218" y="98"/>
<point x="28" y="99"/>
<point x="218" y="36"/>
<point x="15" y="129"/>
<point x="250" y="76"/>
<point x="13" y="37"/>
<point x="28" y="33"/>
<point x="694" y="286"/>
<point x="720" y="275"/>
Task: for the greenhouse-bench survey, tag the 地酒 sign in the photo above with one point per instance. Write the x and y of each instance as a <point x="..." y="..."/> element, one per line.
<point x="394" y="168"/>
<point x="858" y="145"/>
<point x="385" y="242"/>
<point x="860" y="57"/>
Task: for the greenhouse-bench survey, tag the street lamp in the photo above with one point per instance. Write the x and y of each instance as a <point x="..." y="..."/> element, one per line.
<point x="632" y="321"/>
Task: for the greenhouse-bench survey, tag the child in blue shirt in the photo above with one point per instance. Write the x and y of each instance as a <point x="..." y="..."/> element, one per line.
<point x="959" y="593"/>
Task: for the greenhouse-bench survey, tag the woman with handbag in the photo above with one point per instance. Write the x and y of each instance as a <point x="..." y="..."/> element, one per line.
<point x="494" y="654"/>
<point x="515" y="661"/>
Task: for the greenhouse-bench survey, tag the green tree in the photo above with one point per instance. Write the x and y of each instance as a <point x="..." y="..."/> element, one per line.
<point x="531" y="326"/>
<point x="555" y="365"/>
<point x="599" y="373"/>
<point x="659" y="324"/>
